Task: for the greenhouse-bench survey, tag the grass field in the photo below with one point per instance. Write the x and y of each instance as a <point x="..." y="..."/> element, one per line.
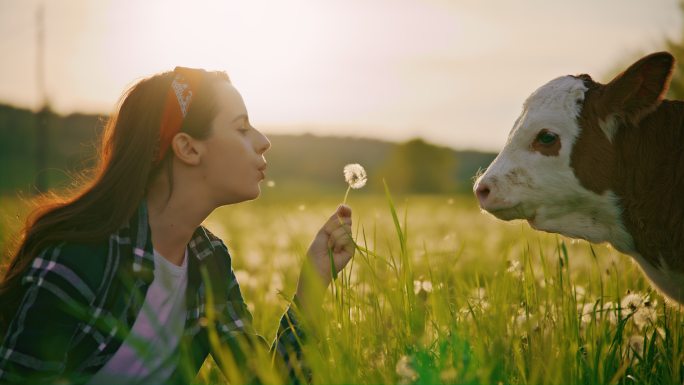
<point x="444" y="294"/>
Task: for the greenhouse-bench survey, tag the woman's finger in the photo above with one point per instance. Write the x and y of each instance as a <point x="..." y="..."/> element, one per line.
<point x="336" y="221"/>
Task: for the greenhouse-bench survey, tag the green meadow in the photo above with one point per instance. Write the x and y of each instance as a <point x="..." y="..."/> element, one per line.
<point x="441" y="293"/>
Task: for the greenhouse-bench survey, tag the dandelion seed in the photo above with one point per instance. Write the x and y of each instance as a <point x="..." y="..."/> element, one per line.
<point x="405" y="371"/>
<point x="270" y="183"/>
<point x="356" y="177"/>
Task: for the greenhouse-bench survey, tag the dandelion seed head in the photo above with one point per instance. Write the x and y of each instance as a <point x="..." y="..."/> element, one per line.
<point x="355" y="175"/>
<point x="609" y="312"/>
<point x="631" y="302"/>
<point x="642" y="309"/>
<point x="645" y="316"/>
<point x="586" y="313"/>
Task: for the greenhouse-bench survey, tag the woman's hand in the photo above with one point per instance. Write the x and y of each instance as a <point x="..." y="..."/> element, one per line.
<point x="333" y="239"/>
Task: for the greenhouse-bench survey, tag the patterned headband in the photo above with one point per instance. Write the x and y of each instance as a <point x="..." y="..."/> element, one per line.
<point x="183" y="90"/>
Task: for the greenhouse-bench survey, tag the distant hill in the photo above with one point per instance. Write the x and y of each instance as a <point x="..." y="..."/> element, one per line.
<point x="297" y="163"/>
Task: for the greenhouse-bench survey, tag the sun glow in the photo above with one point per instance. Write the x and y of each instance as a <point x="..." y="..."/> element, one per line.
<point x="442" y="70"/>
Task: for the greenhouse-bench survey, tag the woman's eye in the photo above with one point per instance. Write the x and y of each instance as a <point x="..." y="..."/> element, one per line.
<point x="546" y="137"/>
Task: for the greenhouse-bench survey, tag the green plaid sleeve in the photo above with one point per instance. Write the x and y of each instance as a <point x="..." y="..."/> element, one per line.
<point x="35" y="344"/>
<point x="238" y="333"/>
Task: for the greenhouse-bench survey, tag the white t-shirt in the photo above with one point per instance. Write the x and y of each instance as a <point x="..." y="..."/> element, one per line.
<point x="149" y="354"/>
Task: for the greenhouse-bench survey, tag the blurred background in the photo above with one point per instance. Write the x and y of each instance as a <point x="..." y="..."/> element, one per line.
<point x="420" y="92"/>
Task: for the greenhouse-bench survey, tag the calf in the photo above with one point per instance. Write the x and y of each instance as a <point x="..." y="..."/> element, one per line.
<point x="603" y="163"/>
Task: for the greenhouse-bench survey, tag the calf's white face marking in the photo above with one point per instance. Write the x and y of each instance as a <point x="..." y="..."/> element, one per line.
<point x="530" y="181"/>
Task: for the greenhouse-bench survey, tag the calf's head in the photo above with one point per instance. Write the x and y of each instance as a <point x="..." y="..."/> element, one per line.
<point x="556" y="169"/>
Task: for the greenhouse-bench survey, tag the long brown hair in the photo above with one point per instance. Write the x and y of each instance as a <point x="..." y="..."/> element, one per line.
<point x="129" y="145"/>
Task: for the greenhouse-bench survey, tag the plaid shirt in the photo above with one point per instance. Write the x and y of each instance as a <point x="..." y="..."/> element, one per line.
<point x="81" y="300"/>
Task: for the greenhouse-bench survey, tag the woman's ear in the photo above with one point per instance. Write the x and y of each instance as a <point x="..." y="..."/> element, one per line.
<point x="187" y="149"/>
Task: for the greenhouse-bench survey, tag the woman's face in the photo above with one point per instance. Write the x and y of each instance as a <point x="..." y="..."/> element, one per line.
<point x="233" y="163"/>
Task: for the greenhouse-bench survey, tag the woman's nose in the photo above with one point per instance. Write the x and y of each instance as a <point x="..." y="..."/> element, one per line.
<point x="262" y="143"/>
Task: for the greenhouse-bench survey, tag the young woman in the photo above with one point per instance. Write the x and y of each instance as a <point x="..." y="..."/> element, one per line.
<point x="121" y="284"/>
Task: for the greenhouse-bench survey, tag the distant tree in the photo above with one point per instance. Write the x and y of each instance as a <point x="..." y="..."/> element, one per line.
<point x="419" y="167"/>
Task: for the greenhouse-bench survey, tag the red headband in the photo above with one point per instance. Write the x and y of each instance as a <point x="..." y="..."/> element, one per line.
<point x="183" y="90"/>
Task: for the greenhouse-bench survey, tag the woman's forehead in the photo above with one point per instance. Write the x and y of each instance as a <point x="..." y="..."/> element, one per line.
<point x="230" y="102"/>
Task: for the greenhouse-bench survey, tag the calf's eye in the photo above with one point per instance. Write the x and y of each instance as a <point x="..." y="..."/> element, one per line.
<point x="546" y="138"/>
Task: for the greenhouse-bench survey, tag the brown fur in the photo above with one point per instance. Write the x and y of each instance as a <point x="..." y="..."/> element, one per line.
<point x="644" y="164"/>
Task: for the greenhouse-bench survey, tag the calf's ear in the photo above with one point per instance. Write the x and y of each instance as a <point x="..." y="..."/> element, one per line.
<point x="639" y="90"/>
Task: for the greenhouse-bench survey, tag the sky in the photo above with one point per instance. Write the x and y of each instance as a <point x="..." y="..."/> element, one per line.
<point x="454" y="72"/>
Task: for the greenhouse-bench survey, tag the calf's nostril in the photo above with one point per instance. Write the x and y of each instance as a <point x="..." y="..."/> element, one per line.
<point x="482" y="191"/>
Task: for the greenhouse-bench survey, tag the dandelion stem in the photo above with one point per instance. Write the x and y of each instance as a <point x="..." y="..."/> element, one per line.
<point x="344" y="201"/>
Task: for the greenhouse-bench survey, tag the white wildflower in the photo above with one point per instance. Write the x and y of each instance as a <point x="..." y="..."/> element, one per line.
<point x="631" y="302"/>
<point x="580" y="292"/>
<point x="521" y="319"/>
<point x="479" y="293"/>
<point x="641" y="308"/>
<point x="646" y="315"/>
<point x="421" y="285"/>
<point x="245" y="279"/>
<point x="610" y="312"/>
<point x="405" y="371"/>
<point x="356" y="315"/>
<point x="515" y="269"/>
<point x="355" y="175"/>
<point x="586" y="313"/>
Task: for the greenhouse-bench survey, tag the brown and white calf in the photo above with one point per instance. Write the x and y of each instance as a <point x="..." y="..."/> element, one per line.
<point x="603" y="163"/>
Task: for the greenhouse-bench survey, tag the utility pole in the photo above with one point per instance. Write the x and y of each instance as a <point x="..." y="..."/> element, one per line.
<point x="44" y="112"/>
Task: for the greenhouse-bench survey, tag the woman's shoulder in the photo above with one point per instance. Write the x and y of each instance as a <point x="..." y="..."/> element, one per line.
<point x="219" y="248"/>
<point x="76" y="261"/>
<point x="213" y="239"/>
